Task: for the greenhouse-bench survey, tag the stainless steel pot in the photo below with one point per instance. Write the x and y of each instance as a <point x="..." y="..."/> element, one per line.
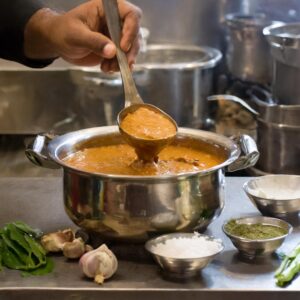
<point x="271" y="112"/>
<point x="278" y="134"/>
<point x="133" y="208"/>
<point x="285" y="43"/>
<point x="176" y="78"/>
<point x="248" y="53"/>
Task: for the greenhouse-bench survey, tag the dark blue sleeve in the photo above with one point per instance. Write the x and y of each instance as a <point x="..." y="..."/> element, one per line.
<point x="14" y="14"/>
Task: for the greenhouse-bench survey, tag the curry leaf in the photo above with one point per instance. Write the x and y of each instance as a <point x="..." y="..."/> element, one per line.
<point x="35" y="247"/>
<point x="42" y="270"/>
<point x="20" y="250"/>
<point x="10" y="259"/>
<point x="36" y="233"/>
<point x="17" y="251"/>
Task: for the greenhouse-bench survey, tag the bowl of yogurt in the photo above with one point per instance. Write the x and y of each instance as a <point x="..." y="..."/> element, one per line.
<point x="275" y="195"/>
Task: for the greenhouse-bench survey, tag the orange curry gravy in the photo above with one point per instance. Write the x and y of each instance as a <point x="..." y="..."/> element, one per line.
<point x="147" y="124"/>
<point x="122" y="160"/>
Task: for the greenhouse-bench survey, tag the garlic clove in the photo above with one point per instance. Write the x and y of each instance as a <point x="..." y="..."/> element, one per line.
<point x="54" y="242"/>
<point x="74" y="249"/>
<point x="88" y="248"/>
<point x="99" y="264"/>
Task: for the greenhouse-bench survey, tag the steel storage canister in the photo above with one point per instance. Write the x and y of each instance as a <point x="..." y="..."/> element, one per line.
<point x="248" y="53"/>
<point x="285" y="43"/>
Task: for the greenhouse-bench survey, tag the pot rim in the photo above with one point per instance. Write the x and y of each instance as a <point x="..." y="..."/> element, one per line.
<point x="278" y="35"/>
<point x="246" y="20"/>
<point x="213" y="56"/>
<point x="279" y="125"/>
<point x="56" y="145"/>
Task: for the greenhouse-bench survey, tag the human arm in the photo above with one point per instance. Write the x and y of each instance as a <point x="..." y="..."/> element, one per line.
<point x="14" y="15"/>
<point x="80" y="35"/>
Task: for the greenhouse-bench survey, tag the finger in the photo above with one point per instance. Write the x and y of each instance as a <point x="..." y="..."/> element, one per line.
<point x="94" y="41"/>
<point x="114" y="65"/>
<point x="88" y="61"/>
<point x="110" y="65"/>
<point x="134" y="50"/>
<point x="131" y="16"/>
<point x="106" y="66"/>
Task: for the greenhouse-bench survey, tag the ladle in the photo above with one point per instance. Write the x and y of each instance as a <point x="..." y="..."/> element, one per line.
<point x="146" y="149"/>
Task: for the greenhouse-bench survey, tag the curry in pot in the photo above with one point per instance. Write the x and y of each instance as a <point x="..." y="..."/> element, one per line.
<point x="121" y="159"/>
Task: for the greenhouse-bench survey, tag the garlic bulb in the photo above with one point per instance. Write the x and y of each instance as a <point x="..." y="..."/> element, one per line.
<point x="99" y="264"/>
<point x="74" y="249"/>
<point x="54" y="242"/>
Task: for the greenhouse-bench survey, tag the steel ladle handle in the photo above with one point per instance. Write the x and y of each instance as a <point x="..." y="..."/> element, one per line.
<point x="114" y="26"/>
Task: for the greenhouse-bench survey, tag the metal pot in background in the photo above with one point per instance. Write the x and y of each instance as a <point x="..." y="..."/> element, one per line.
<point x="178" y="79"/>
<point x="285" y="48"/>
<point x="270" y="111"/>
<point x="278" y="132"/>
<point x="248" y="53"/>
<point x="134" y="208"/>
<point x="175" y="78"/>
<point x="99" y="97"/>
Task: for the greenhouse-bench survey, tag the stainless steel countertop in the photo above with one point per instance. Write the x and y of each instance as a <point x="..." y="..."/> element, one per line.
<point x="38" y="201"/>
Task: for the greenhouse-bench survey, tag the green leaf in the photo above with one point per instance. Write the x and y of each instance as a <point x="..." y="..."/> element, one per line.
<point x="18" y="252"/>
<point x="42" y="270"/>
<point x="20" y="245"/>
<point x="36" y="233"/>
<point x="1" y="254"/>
<point x="10" y="259"/>
<point x="36" y="250"/>
<point x="16" y="235"/>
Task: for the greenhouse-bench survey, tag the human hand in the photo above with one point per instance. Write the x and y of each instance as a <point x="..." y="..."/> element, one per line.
<point x="80" y="36"/>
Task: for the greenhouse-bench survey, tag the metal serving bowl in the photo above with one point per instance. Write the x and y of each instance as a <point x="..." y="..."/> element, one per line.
<point x="258" y="248"/>
<point x="275" y="195"/>
<point x="136" y="208"/>
<point x="180" y="267"/>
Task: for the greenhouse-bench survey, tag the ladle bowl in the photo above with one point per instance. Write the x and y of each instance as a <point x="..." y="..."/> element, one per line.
<point x="146" y="149"/>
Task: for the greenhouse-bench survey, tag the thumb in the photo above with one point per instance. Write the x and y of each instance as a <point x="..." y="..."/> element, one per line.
<point x="97" y="43"/>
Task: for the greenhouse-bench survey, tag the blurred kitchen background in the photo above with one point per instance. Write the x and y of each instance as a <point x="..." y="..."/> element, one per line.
<point x="192" y="49"/>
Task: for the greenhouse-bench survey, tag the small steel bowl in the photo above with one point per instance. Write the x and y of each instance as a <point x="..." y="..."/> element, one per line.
<point x="180" y="267"/>
<point x="251" y="249"/>
<point x="275" y="195"/>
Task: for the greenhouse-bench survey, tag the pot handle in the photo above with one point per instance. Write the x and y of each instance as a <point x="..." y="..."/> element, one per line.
<point x="37" y="152"/>
<point x="250" y="154"/>
<point x="261" y="96"/>
<point x="232" y="98"/>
